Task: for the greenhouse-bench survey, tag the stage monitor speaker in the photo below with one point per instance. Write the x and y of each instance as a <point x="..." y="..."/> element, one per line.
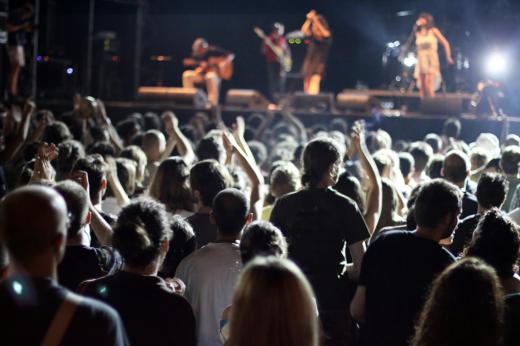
<point x="443" y="105"/>
<point x="180" y="96"/>
<point x="323" y="102"/>
<point x="246" y="98"/>
<point x="357" y="102"/>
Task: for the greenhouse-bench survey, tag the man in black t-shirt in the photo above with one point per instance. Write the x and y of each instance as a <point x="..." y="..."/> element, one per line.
<point x="491" y="193"/>
<point x="456" y="169"/>
<point x="81" y="261"/>
<point x="399" y="267"/>
<point x="318" y="223"/>
<point x="206" y="70"/>
<point x="33" y="225"/>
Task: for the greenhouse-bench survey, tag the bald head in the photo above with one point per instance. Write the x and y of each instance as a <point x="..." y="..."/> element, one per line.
<point x="456" y="167"/>
<point x="31" y="219"/>
<point x="230" y="210"/>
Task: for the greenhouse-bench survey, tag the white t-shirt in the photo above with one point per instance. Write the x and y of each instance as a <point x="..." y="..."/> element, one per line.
<point x="210" y="275"/>
<point x="515" y="215"/>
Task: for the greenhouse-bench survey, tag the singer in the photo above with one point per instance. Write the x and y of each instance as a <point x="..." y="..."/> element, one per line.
<point x="427" y="71"/>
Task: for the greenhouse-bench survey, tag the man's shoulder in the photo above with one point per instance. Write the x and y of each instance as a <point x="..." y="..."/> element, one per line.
<point x="209" y="256"/>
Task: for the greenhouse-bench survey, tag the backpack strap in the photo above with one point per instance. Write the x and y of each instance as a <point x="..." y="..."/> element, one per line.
<point x="62" y="319"/>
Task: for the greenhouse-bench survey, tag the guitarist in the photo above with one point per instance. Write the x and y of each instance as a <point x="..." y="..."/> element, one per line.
<point x="275" y="72"/>
<point x="204" y="70"/>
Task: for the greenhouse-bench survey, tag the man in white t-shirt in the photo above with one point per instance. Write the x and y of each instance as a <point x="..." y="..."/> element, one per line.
<point x="210" y="273"/>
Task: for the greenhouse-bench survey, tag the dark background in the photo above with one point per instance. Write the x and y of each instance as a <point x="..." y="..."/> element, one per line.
<point x="361" y="28"/>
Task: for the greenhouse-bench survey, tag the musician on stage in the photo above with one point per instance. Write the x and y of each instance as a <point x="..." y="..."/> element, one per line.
<point x="19" y="22"/>
<point x="317" y="30"/>
<point x="275" y="71"/>
<point x="427" y="70"/>
<point x="205" y="71"/>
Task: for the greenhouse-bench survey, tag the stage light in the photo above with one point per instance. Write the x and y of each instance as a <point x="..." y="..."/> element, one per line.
<point x="410" y="60"/>
<point x="70" y="70"/>
<point x="496" y="64"/>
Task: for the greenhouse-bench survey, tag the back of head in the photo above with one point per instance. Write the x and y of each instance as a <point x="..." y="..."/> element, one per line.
<point x="435" y="141"/>
<point x="103" y="148"/>
<point x="141" y="227"/>
<point x="69" y="152"/>
<point x="406" y="163"/>
<point x="95" y="167"/>
<point x="456" y="166"/>
<point x="319" y="156"/>
<point x="262" y="239"/>
<point x="133" y="152"/>
<point x="211" y="147"/>
<point x="56" y="133"/>
<point x="510" y="160"/>
<point x="209" y="177"/>
<point x="273" y="305"/>
<point x="421" y="153"/>
<point x="350" y="186"/>
<point x="230" y="210"/>
<point x="497" y="241"/>
<point x="512" y="139"/>
<point x="152" y="121"/>
<point x="31" y="217"/>
<point x="491" y="190"/>
<point x="76" y="199"/>
<point x="285" y="178"/>
<point x="435" y="199"/>
<point x="451" y="128"/>
<point x="170" y="184"/>
<point x="464" y="307"/>
<point x="153" y="143"/>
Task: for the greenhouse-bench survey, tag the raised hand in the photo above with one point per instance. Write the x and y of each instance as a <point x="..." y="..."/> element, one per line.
<point x="47" y="152"/>
<point x="239" y="127"/>
<point x="171" y="123"/>
<point x="81" y="177"/>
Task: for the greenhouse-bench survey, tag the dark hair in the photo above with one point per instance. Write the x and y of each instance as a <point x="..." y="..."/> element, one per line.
<point x="510" y="159"/>
<point x="495" y="164"/>
<point x="152" y="121"/>
<point x="141" y="227"/>
<point x="95" y="167"/>
<point x="262" y="238"/>
<point x="512" y="139"/>
<point x="496" y="240"/>
<point x="318" y="157"/>
<point x="464" y="307"/>
<point x="491" y="190"/>
<point x="128" y="129"/>
<point x="435" y="166"/>
<point x="135" y="153"/>
<point x="259" y="151"/>
<point x="436" y="198"/>
<point x="430" y="22"/>
<point x="56" y="133"/>
<point x="170" y="185"/>
<point x="406" y="163"/>
<point x="209" y="177"/>
<point x="338" y="124"/>
<point x="451" y="128"/>
<point x="456" y="166"/>
<point x="69" y="152"/>
<point x="421" y="152"/>
<point x="434" y="140"/>
<point x="76" y="199"/>
<point x="182" y="244"/>
<point x="210" y="147"/>
<point x="230" y="210"/>
<point x="105" y="149"/>
<point x="349" y="186"/>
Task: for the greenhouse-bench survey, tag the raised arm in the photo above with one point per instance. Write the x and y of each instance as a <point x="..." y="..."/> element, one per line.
<point x="375" y="194"/>
<point x="176" y="138"/>
<point x="445" y="44"/>
<point x="294" y="121"/>
<point x="115" y="185"/>
<point x="306" y="27"/>
<point x="105" y="122"/>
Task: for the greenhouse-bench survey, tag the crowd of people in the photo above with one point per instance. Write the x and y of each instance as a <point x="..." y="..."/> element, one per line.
<point x="155" y="231"/>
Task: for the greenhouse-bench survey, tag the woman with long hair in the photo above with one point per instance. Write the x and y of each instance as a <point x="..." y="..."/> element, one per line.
<point x="464" y="308"/>
<point x="170" y="186"/>
<point x="273" y="305"/>
<point x="317" y="30"/>
<point x="427" y="71"/>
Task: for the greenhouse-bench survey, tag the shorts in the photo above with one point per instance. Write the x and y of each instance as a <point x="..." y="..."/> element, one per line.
<point x="16" y="55"/>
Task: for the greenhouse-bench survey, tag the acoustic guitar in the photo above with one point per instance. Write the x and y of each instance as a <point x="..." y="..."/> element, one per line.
<point x="284" y="57"/>
<point x="222" y="66"/>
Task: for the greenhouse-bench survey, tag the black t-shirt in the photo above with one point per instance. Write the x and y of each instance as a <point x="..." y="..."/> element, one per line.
<point x="469" y="205"/>
<point x="151" y="312"/>
<point x="27" y="307"/>
<point x="463" y="233"/>
<point x="181" y="245"/>
<point x="82" y="263"/>
<point x="318" y="224"/>
<point x="16" y="38"/>
<point x="397" y="271"/>
<point x="212" y="52"/>
<point x="512" y="320"/>
<point x="205" y="231"/>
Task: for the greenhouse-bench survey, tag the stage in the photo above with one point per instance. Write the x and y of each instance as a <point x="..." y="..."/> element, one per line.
<point x="404" y="121"/>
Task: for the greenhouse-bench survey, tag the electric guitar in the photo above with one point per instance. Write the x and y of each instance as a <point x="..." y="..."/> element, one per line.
<point x="284" y="57"/>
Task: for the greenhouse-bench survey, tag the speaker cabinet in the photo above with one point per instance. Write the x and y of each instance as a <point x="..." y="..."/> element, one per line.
<point x="180" y="96"/>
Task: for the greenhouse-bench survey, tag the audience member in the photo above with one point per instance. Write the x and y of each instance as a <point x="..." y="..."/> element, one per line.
<point x="456" y="169"/>
<point x="509" y="164"/>
<point x="422" y="154"/>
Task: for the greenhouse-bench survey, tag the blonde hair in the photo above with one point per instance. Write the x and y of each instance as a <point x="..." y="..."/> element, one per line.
<point x="273" y="305"/>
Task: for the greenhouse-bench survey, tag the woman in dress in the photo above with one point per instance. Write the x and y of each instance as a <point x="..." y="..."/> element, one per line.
<point x="318" y="31"/>
<point x="427" y="70"/>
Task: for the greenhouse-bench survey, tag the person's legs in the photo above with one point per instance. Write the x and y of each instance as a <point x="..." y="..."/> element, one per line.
<point x="17" y="61"/>
<point x="314" y="84"/>
<point x="421" y="85"/>
<point x="213" y="87"/>
<point x="429" y="91"/>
